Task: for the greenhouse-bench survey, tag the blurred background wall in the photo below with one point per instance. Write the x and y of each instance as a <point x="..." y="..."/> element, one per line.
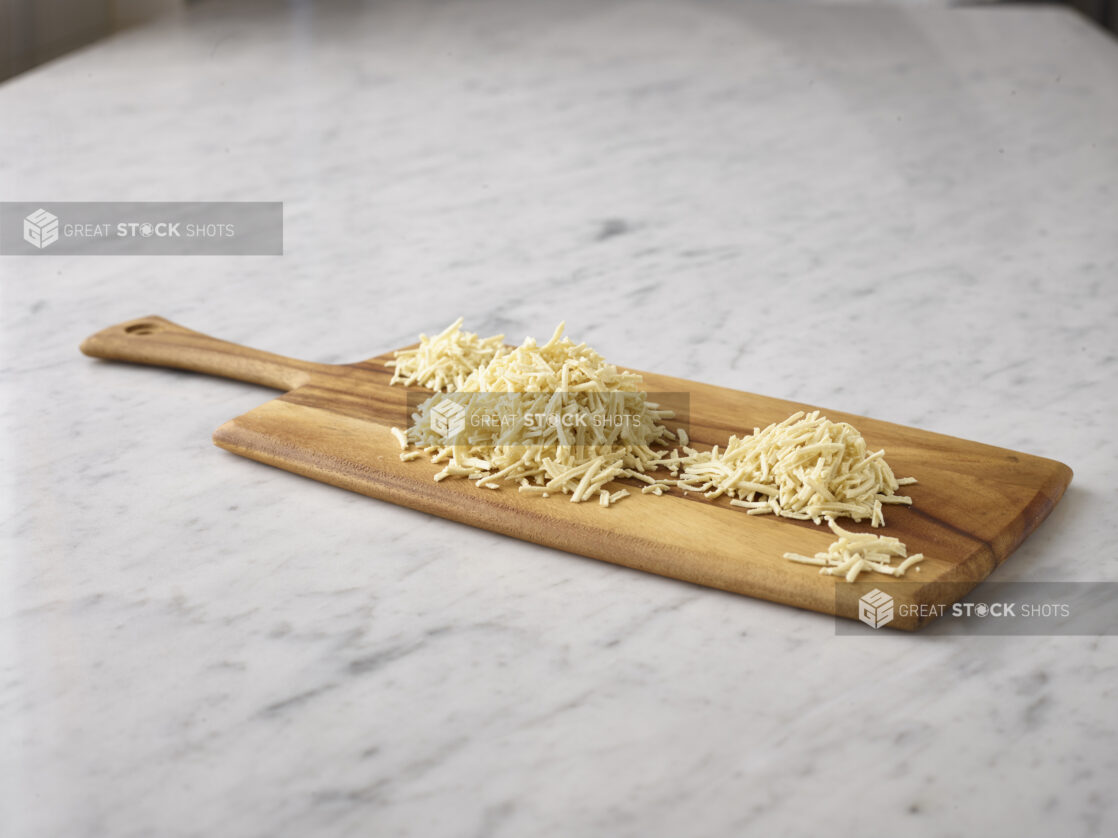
<point x="34" y="31"/>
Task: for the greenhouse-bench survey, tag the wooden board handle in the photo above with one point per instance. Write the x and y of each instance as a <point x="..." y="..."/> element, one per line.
<point x="159" y="342"/>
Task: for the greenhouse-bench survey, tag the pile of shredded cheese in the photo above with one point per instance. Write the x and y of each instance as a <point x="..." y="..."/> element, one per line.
<point x="852" y="553"/>
<point x="805" y="467"/>
<point x="443" y="362"/>
<point x="607" y="427"/>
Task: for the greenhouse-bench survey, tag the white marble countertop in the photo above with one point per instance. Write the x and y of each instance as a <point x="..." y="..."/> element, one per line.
<point x="194" y="644"/>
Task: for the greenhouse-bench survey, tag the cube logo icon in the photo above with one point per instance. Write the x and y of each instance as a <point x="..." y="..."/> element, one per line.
<point x="875" y="609"/>
<point x="448" y="418"/>
<point x="40" y="228"/>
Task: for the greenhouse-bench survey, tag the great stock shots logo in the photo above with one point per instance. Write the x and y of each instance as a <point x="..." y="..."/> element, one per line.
<point x="141" y="228"/>
<point x="875" y="609"/>
<point x="40" y="228"/>
<point x="448" y="419"/>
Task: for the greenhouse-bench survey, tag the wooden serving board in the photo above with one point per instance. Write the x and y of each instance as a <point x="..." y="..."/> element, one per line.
<point x="973" y="505"/>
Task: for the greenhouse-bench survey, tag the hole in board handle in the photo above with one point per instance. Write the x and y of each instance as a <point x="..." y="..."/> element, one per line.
<point x="140" y="328"/>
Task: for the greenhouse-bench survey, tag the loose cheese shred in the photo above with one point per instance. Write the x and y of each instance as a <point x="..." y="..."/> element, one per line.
<point x="853" y="553"/>
<point x="400" y="436"/>
<point x="805" y="467"/>
<point x="443" y="362"/>
<point x="608" y="429"/>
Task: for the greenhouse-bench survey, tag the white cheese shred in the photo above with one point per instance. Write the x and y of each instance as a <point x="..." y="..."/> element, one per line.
<point x="400" y="436"/>
<point x="852" y="554"/>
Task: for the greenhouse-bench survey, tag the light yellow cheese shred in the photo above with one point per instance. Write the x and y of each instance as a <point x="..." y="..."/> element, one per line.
<point x="854" y="553"/>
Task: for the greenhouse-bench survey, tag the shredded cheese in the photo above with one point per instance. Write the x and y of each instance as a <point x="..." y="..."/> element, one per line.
<point x="443" y="362"/>
<point x="608" y="429"/>
<point x="853" y="553"/>
<point x="805" y="467"/>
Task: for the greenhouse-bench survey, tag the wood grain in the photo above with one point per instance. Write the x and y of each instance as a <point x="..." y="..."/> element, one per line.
<point x="973" y="505"/>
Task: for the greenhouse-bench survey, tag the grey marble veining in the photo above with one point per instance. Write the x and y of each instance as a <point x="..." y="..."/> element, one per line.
<point x="907" y="213"/>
